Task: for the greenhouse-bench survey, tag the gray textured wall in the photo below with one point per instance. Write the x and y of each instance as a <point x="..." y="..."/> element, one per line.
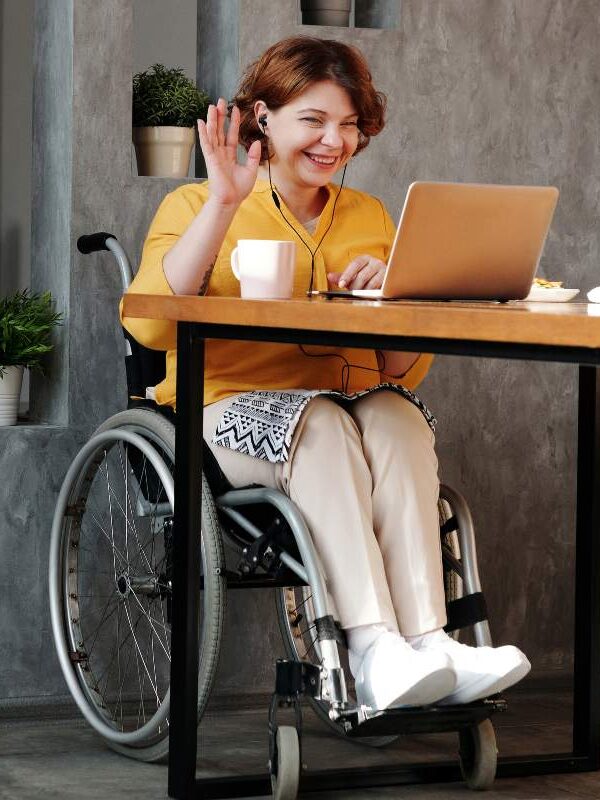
<point x="488" y="91"/>
<point x="33" y="461"/>
<point x="16" y="81"/>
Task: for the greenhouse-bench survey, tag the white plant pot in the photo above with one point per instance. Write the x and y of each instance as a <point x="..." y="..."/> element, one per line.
<point x="163" y="151"/>
<point x="10" y="393"/>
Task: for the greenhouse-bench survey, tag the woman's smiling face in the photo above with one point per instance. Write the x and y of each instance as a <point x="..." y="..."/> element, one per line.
<point x="312" y="136"/>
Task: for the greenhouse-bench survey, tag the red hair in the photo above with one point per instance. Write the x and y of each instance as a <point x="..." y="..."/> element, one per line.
<point x="290" y="66"/>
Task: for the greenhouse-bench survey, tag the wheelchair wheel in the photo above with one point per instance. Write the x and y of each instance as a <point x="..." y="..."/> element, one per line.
<point x="478" y="755"/>
<point x="110" y="583"/>
<point x="295" y="614"/>
<point x="285" y="764"/>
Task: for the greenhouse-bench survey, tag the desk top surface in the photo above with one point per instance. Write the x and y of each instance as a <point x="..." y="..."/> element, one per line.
<point x="558" y="324"/>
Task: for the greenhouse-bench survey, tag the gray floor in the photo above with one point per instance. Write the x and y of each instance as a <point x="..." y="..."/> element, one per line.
<point x="63" y="759"/>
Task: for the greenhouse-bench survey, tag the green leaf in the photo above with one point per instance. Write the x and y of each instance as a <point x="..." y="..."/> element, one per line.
<point x="26" y="324"/>
<point x="164" y="96"/>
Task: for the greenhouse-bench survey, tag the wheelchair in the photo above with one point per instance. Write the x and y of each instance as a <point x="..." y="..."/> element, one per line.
<point x="110" y="583"/>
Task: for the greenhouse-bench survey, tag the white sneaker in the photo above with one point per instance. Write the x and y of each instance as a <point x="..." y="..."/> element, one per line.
<point x="480" y="671"/>
<point x="393" y="674"/>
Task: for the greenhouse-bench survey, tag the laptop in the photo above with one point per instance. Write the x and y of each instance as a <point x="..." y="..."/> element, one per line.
<point x="465" y="241"/>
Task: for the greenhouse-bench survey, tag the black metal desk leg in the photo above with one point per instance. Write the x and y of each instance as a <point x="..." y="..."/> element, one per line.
<point x="586" y="716"/>
<point x="186" y="564"/>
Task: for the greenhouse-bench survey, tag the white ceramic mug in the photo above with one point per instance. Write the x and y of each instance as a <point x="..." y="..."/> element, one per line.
<point x="264" y="267"/>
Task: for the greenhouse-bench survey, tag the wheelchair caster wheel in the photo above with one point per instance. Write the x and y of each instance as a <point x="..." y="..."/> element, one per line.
<point x="285" y="764"/>
<point x="478" y="755"/>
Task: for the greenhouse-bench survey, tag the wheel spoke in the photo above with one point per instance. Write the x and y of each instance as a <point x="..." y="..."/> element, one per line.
<point x="126" y="502"/>
<point x="104" y="618"/>
<point x="138" y="649"/>
<point x="154" y="669"/>
<point x="299" y="634"/>
<point x="130" y="508"/>
<point x="125" y="671"/>
<point x="151" y="623"/>
<point x="303" y="603"/>
<point x="119" y="704"/>
<point x="114" y="549"/>
<point x="113" y="655"/>
<point x="129" y="522"/>
<point x="112" y="530"/>
<point x="164" y="622"/>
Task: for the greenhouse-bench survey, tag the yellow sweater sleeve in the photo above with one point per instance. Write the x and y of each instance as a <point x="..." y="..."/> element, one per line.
<point x="413" y="377"/>
<point x="171" y="220"/>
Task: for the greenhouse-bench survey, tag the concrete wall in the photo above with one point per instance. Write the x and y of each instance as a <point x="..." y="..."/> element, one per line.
<point x="16" y="81"/>
<point x="492" y="93"/>
<point x="16" y="90"/>
<point x="165" y="33"/>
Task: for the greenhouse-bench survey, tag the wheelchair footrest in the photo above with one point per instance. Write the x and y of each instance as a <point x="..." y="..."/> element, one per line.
<point x="431" y="719"/>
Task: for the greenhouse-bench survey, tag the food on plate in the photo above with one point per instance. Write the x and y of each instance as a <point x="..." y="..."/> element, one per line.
<point x="547" y="284"/>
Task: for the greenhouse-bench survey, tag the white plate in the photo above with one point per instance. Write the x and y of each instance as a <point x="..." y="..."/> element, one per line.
<point x="553" y="295"/>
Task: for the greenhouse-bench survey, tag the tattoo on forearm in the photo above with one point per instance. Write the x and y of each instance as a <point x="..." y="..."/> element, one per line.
<point x="207" y="275"/>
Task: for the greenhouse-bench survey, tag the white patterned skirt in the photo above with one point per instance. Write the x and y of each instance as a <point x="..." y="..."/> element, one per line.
<point x="262" y="423"/>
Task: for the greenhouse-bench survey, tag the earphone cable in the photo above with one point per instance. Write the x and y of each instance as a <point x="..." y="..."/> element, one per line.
<point x="345" y="376"/>
<point x="312" y="268"/>
<point x="262" y="122"/>
<point x="278" y="207"/>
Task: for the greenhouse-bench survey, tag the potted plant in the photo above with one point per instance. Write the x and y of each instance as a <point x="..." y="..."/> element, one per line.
<point x="166" y="105"/>
<point x="26" y="322"/>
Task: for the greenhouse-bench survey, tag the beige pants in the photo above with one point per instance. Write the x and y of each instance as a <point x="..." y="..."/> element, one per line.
<point x="366" y="482"/>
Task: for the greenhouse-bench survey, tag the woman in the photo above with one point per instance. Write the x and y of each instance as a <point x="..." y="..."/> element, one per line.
<point x="276" y="413"/>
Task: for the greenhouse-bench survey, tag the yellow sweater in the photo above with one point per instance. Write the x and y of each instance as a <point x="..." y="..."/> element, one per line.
<point x="361" y="225"/>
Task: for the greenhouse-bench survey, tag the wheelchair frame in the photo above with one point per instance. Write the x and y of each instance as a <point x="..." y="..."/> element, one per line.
<point x="294" y="679"/>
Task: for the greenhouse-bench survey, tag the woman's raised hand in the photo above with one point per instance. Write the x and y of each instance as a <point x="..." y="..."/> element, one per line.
<point x="229" y="182"/>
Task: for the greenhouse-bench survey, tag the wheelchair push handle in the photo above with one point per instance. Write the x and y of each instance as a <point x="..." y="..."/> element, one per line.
<point x="93" y="242"/>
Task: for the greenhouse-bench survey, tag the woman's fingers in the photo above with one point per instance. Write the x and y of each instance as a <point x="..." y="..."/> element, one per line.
<point x="233" y="130"/>
<point x="350" y="273"/>
<point x="205" y="145"/>
<point x="376" y="282"/>
<point x="371" y="277"/>
<point x="221" y="116"/>
<point x="363" y="272"/>
<point x="253" y="158"/>
<point x="211" y="126"/>
<point x="361" y="279"/>
<point x="215" y="127"/>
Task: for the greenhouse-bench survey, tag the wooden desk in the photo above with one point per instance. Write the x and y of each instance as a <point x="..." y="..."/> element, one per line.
<point x="535" y="331"/>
